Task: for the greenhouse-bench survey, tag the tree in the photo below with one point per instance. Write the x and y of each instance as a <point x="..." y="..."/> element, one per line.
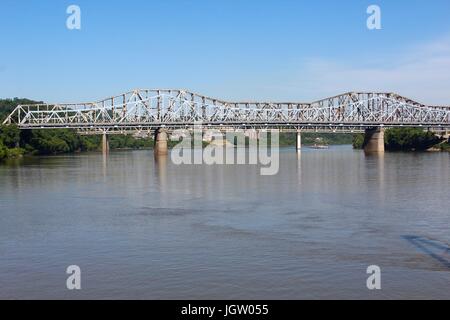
<point x="10" y="136"/>
<point x="409" y="139"/>
<point x="8" y="105"/>
<point x="358" y="141"/>
<point x="3" y="151"/>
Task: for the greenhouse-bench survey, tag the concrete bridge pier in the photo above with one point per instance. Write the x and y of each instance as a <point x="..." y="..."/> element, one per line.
<point x="298" y="144"/>
<point x="374" y="141"/>
<point x="105" y="143"/>
<point x="161" y="138"/>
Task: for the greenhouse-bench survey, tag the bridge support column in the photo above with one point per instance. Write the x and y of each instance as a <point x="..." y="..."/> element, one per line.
<point x="298" y="144"/>
<point x="374" y="141"/>
<point x="252" y="134"/>
<point x="161" y="138"/>
<point x="105" y="143"/>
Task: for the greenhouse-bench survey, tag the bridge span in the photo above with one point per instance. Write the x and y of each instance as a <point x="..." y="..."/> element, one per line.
<point x="162" y="110"/>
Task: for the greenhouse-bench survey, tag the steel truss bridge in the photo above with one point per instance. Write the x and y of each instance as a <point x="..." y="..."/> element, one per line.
<point x="148" y="110"/>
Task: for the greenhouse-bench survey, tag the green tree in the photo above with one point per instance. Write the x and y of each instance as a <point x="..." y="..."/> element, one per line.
<point x="403" y="139"/>
<point x="3" y="151"/>
<point x="8" y="105"/>
<point x="48" y="142"/>
<point x="408" y="139"/>
<point x="445" y="146"/>
<point x="90" y="143"/>
<point x="10" y="136"/>
<point x="358" y="141"/>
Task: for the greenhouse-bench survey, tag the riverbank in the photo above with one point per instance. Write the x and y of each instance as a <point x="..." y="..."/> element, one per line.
<point x="445" y="146"/>
<point x="15" y="143"/>
<point x="407" y="139"/>
<point x="64" y="141"/>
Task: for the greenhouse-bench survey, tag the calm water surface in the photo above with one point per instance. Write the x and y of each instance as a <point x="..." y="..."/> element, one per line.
<point x="145" y="229"/>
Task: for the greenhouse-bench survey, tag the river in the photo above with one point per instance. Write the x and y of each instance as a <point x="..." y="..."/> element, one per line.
<point x="145" y="229"/>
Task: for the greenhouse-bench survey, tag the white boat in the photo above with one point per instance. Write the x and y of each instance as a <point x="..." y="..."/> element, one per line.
<point x="319" y="146"/>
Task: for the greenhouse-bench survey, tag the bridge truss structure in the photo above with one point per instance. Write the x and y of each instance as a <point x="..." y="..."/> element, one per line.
<point x="147" y="110"/>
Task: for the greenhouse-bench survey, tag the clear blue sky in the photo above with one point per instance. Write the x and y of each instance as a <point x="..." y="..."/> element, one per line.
<point x="232" y="49"/>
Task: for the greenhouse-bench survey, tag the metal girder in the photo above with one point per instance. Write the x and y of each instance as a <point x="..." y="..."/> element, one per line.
<point x="142" y="110"/>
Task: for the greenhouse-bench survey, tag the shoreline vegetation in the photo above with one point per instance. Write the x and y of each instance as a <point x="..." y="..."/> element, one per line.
<point x="15" y="143"/>
<point x="407" y="139"/>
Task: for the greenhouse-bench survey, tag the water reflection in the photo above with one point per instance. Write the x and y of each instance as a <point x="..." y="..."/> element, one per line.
<point x="105" y="162"/>
<point x="145" y="228"/>
<point x="160" y="167"/>
<point x="299" y="166"/>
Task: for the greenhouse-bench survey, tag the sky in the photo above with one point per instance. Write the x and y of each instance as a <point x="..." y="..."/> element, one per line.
<point x="283" y="50"/>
